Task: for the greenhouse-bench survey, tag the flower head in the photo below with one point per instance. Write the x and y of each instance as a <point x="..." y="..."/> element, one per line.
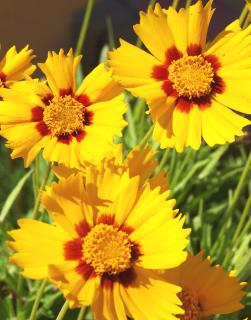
<point x="190" y="88"/>
<point x="71" y="125"/>
<point x="15" y="66"/>
<point x="111" y="234"/>
<point x="206" y="290"/>
<point x="138" y="162"/>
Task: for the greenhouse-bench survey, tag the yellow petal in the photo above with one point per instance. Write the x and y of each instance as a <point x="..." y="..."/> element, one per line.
<point x="38" y="245"/>
<point x="17" y="65"/>
<point x="25" y="139"/>
<point x="150" y="297"/>
<point x="218" y="292"/>
<point x="67" y="201"/>
<point x="157" y="237"/>
<point x="60" y="71"/>
<point x="99" y="86"/>
<point x="227" y="126"/>
<point x="180" y="128"/>
<point x="131" y="66"/>
<point x="155" y="32"/>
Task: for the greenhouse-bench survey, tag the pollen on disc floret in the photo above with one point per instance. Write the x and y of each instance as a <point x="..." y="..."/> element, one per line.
<point x="190" y="305"/>
<point x="107" y="249"/>
<point x="191" y="76"/>
<point x="64" y="115"/>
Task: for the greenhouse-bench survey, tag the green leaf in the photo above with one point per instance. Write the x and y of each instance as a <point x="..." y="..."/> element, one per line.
<point x="214" y="159"/>
<point x="13" y="196"/>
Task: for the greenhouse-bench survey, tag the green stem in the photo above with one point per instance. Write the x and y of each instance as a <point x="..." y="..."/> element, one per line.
<point x="188" y="3"/>
<point x="244" y="231"/>
<point x="172" y="165"/>
<point x="37" y="300"/>
<point x="84" y="27"/>
<point x="162" y="161"/>
<point x="110" y="33"/>
<point x="242" y="219"/>
<point x="19" y="292"/>
<point x="35" y="176"/>
<point x="239" y="233"/>
<point x="131" y="126"/>
<point x="35" y="212"/>
<point x="146" y="137"/>
<point x="175" y="4"/>
<point x="248" y="222"/>
<point x="63" y="311"/>
<point x="179" y="171"/>
<point x="243" y="15"/>
<point x="234" y="201"/>
<point x="239" y="188"/>
<point x="139" y="108"/>
<point x="10" y="308"/>
<point x="82" y="313"/>
<point x="247" y="21"/>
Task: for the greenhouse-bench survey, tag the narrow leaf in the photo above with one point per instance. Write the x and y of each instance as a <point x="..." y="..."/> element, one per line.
<point x="13" y="196"/>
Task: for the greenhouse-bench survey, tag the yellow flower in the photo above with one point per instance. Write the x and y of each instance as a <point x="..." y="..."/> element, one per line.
<point x="138" y="162"/>
<point x="206" y="290"/>
<point x="111" y="235"/>
<point x="15" y="66"/>
<point x="71" y="125"/>
<point x="190" y="88"/>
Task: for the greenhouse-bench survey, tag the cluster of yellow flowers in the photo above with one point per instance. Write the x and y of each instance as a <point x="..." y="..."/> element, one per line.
<point x="116" y="243"/>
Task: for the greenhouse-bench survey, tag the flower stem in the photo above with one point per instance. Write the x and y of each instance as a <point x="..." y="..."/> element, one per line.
<point x="20" y="283"/>
<point x="35" y="212"/>
<point x="82" y="313"/>
<point x="37" y="300"/>
<point x="131" y="126"/>
<point x="162" y="161"/>
<point x="175" y="3"/>
<point x="239" y="188"/>
<point x="84" y="27"/>
<point x="146" y="137"/>
<point x="63" y="311"/>
<point x="242" y="220"/>
<point x="139" y="108"/>
<point x="243" y="15"/>
<point x="188" y="3"/>
<point x="239" y="233"/>
<point x="110" y="32"/>
<point x="233" y="204"/>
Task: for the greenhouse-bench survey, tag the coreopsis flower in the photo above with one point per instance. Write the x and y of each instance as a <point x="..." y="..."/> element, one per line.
<point x="70" y="124"/>
<point x="191" y="88"/>
<point x="111" y="235"/>
<point x="15" y="66"/>
<point x="138" y="162"/>
<point x="206" y="290"/>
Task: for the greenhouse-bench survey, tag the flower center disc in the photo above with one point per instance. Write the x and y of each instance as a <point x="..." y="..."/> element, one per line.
<point x="191" y="76"/>
<point x="107" y="249"/>
<point x="64" y="115"/>
<point x="190" y="305"/>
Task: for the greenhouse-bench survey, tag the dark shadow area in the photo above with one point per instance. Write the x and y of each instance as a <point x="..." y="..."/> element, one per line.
<point x="50" y="25"/>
